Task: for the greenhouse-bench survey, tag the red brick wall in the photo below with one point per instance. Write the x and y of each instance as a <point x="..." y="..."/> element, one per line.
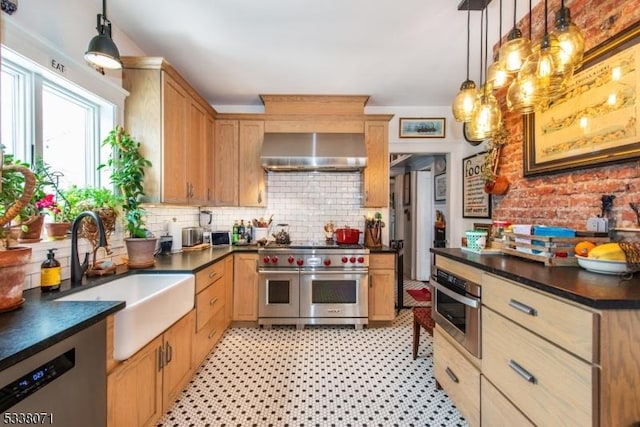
<point x="568" y="199"/>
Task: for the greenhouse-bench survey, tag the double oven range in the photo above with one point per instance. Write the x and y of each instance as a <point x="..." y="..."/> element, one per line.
<point x="310" y="283"/>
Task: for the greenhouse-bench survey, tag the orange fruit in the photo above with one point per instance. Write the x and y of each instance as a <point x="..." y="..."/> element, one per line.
<point x="583" y="248"/>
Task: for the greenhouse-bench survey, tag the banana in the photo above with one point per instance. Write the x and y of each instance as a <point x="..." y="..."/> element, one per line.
<point x="608" y="251"/>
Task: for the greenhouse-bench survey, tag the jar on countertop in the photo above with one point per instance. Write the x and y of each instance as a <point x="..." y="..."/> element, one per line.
<point x="498" y="228"/>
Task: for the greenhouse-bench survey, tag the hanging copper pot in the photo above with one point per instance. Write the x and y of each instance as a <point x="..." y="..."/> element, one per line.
<point x="498" y="186"/>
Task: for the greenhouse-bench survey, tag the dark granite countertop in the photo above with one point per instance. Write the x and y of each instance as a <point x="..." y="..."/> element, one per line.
<point x="600" y="291"/>
<point x="41" y="322"/>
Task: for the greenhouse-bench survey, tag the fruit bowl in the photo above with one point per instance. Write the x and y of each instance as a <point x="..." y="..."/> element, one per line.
<point x="603" y="266"/>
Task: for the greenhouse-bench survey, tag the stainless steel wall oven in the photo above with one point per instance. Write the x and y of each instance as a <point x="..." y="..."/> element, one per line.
<point x="456" y="309"/>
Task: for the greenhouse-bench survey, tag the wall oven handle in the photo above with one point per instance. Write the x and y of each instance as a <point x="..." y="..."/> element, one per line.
<point x="278" y="271"/>
<point x="471" y="302"/>
<point x="523" y="307"/>
<point x="522" y="372"/>
<point x="336" y="271"/>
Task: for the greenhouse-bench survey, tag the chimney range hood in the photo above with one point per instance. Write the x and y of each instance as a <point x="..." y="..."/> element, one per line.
<point x="335" y="152"/>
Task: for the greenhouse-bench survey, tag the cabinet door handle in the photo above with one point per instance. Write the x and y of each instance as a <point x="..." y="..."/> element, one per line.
<point x="160" y="358"/>
<point x="212" y="333"/>
<point x="212" y="274"/>
<point x="523" y="307"/>
<point x="366" y="196"/>
<point x="453" y="377"/>
<point x="187" y="189"/>
<point x="260" y="196"/>
<point x="169" y="354"/>
<point x="213" y="300"/>
<point x="522" y="372"/>
<point x="208" y="194"/>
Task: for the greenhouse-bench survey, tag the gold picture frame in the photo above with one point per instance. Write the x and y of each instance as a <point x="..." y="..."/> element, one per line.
<point x="596" y="121"/>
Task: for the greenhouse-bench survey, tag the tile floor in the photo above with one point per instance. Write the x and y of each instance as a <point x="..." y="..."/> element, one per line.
<point x="408" y="300"/>
<point x="319" y="376"/>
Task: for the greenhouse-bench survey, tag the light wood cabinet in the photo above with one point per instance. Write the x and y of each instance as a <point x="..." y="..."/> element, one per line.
<point x="170" y="119"/>
<point x="496" y="410"/>
<point x="211" y="297"/>
<point x="141" y="388"/>
<point x="228" y="286"/>
<point x="376" y="174"/>
<point x="240" y="179"/>
<point x="245" y="287"/>
<point x="382" y="282"/>
<point x="210" y="164"/>
<point x="457" y="375"/>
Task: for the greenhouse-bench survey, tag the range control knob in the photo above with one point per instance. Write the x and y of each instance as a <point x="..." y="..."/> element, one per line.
<point x="344" y="259"/>
<point x="327" y="262"/>
<point x="291" y="259"/>
<point x="266" y="260"/>
<point x="360" y="259"/>
<point x="274" y="259"/>
<point x="300" y="262"/>
<point x="352" y="259"/>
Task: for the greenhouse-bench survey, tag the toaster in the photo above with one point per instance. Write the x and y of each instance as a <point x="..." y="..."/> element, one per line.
<point x="191" y="236"/>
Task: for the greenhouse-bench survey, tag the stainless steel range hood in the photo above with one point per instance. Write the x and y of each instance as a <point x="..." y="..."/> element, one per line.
<point x="314" y="152"/>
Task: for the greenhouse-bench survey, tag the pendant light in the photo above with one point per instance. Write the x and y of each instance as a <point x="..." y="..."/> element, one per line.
<point x="546" y="68"/>
<point x="569" y="36"/>
<point x="463" y="102"/>
<point x="497" y="75"/>
<point x="102" y="51"/>
<point x="516" y="49"/>
<point x="487" y="117"/>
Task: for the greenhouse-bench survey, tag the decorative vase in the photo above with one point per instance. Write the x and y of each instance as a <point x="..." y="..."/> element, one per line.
<point x="141" y="252"/>
<point x="57" y="230"/>
<point x="34" y="229"/>
<point x="13" y="267"/>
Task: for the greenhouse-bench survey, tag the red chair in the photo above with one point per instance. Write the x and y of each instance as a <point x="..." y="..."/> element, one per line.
<point x="421" y="318"/>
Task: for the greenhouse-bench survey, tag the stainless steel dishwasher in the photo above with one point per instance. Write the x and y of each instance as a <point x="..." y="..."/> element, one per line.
<point x="64" y="385"/>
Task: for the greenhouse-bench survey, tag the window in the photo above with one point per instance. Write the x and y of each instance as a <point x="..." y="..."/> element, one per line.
<point x="44" y="116"/>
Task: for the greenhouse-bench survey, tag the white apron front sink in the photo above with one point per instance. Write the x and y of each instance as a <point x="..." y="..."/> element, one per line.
<point x="153" y="303"/>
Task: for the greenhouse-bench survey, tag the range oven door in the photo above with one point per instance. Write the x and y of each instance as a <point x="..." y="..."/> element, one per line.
<point x="342" y="294"/>
<point x="458" y="314"/>
<point x="278" y="293"/>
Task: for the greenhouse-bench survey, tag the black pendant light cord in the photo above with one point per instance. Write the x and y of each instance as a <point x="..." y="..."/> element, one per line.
<point x="486" y="44"/>
<point x="468" y="34"/>
<point x="500" y="27"/>
<point x="546" y="11"/>
<point x="515" y="8"/>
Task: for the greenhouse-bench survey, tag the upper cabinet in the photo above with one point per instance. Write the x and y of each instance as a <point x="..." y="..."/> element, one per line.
<point x="239" y="177"/>
<point x="376" y="175"/>
<point x="173" y="124"/>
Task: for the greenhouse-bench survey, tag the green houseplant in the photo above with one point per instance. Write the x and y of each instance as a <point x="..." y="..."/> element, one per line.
<point x="127" y="166"/>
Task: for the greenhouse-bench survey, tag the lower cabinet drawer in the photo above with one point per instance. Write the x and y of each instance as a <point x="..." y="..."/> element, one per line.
<point x="457" y="376"/>
<point x="207" y="337"/>
<point x="549" y="385"/>
<point x="208" y="302"/>
<point x="209" y="275"/>
<point x="496" y="410"/>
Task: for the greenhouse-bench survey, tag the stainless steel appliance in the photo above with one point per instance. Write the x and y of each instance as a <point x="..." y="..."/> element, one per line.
<point x="456" y="303"/>
<point x="63" y="385"/>
<point x="313" y="283"/>
<point x="221" y="238"/>
<point x="191" y="236"/>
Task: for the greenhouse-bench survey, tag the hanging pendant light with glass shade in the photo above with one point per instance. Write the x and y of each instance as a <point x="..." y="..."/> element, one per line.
<point x="547" y="69"/>
<point x="516" y="49"/>
<point x="487" y="117"/>
<point x="569" y="36"/>
<point x="102" y="51"/>
<point x="498" y="76"/>
<point x="463" y="102"/>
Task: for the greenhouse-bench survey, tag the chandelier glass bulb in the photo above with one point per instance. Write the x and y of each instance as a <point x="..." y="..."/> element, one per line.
<point x="486" y="118"/>
<point x="497" y="76"/>
<point x="523" y="95"/>
<point x="464" y="101"/>
<point x="514" y="52"/>
<point x="569" y="37"/>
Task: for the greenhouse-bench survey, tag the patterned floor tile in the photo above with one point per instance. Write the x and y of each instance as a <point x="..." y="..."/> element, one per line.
<point x="318" y="376"/>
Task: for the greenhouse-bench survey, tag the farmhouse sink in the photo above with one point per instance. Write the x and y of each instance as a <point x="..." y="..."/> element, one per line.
<point x="153" y="303"/>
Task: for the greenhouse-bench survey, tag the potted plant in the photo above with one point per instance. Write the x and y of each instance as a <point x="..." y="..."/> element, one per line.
<point x="18" y="185"/>
<point x="127" y="166"/>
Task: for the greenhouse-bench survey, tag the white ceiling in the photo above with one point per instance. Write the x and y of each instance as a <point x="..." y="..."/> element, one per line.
<point x="401" y="53"/>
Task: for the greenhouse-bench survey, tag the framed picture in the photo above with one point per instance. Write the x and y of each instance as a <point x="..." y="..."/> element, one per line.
<point x="422" y="128"/>
<point x="440" y="188"/>
<point x="475" y="202"/>
<point x="595" y="122"/>
<point x="406" y="189"/>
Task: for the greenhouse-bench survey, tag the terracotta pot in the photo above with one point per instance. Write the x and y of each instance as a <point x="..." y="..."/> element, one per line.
<point x="56" y="230"/>
<point x="13" y="267"/>
<point x="347" y="236"/>
<point x="141" y="252"/>
<point x="34" y="229"/>
<point x="498" y="187"/>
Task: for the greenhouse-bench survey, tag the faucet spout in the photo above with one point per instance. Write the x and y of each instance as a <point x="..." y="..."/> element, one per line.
<point x="78" y="269"/>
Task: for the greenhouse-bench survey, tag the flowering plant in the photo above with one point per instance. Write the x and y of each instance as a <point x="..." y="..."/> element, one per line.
<point x="49" y="206"/>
